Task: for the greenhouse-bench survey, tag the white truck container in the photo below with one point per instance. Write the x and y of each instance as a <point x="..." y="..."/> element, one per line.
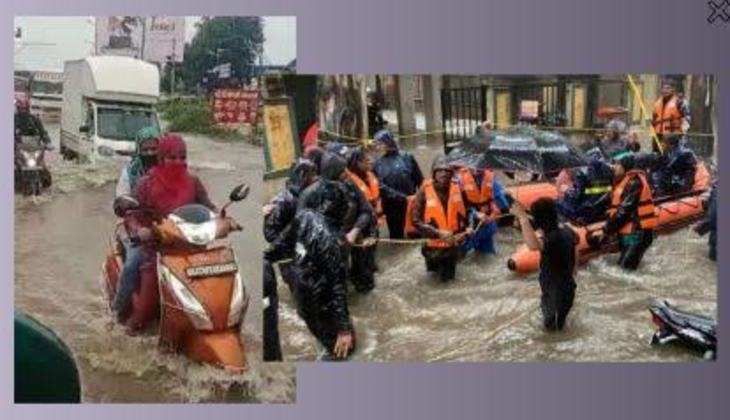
<point x="106" y="101"/>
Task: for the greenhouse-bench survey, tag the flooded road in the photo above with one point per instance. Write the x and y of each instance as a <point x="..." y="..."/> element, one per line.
<point x="489" y="314"/>
<point x="60" y="242"/>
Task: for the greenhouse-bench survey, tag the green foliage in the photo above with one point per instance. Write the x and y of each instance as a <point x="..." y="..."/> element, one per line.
<point x="194" y="116"/>
<point x="232" y="39"/>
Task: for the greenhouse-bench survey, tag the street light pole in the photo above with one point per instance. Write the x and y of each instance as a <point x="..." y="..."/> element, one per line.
<point x="172" y="63"/>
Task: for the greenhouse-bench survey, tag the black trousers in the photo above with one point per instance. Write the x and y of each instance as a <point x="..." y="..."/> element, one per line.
<point x="395" y="216"/>
<point x="362" y="268"/>
<point x="633" y="249"/>
<point x="442" y="263"/>
<point x="320" y="322"/>
<point x="556" y="302"/>
<point x="272" y="344"/>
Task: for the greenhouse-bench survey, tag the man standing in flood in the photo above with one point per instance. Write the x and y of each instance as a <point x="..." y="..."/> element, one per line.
<point x="671" y="114"/>
<point x="399" y="177"/>
<point x="439" y="213"/>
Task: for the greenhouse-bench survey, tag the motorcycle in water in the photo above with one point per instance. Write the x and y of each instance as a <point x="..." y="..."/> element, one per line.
<point x="199" y="297"/>
<point x="674" y="325"/>
<point x="31" y="173"/>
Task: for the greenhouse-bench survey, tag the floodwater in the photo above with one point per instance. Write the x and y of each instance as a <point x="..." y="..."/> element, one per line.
<point x="489" y="314"/>
<point x="60" y="242"/>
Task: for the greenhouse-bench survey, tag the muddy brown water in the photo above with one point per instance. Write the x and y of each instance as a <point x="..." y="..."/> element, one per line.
<point x="490" y="314"/>
<point x="60" y="242"/>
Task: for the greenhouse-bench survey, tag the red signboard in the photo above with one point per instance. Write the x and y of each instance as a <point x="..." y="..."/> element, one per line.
<point x="235" y="106"/>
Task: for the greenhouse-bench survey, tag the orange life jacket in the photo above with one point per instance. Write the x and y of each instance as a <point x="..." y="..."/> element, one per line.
<point x="371" y="191"/>
<point x="648" y="217"/>
<point x="668" y="117"/>
<point x="481" y="195"/>
<point x="408" y="228"/>
<point x="444" y="219"/>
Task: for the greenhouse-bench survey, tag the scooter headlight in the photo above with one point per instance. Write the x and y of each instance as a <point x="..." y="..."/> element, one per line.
<point x="190" y="304"/>
<point x="197" y="233"/>
<point x="239" y="301"/>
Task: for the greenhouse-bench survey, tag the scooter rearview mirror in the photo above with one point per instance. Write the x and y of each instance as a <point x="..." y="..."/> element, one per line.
<point x="239" y="193"/>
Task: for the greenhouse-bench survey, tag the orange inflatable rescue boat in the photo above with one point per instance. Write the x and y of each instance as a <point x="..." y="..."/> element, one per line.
<point x="674" y="213"/>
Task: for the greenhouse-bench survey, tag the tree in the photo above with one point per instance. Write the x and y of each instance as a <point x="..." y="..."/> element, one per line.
<point x="237" y="40"/>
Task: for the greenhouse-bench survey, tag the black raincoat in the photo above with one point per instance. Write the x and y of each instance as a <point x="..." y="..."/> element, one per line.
<point x="320" y="256"/>
<point x="320" y="291"/>
<point x="674" y="172"/>
<point x="399" y="177"/>
<point x="589" y="198"/>
<point x="27" y="124"/>
<point x="277" y="226"/>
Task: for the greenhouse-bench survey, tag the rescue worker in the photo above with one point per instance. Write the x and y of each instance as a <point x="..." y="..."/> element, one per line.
<point x="356" y="218"/>
<point x="485" y="199"/>
<point x="320" y="290"/>
<point x="365" y="183"/>
<point x="674" y="170"/>
<point x="277" y="221"/>
<point x="615" y="143"/>
<point x="145" y="158"/>
<point x="558" y="259"/>
<point x="589" y="198"/>
<point x="632" y="214"/>
<point x="439" y="213"/>
<point x="399" y="177"/>
<point x="671" y="113"/>
<point x="27" y="124"/>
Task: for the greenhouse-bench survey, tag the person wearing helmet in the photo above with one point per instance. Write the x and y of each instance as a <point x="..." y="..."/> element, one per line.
<point x="588" y="199"/>
<point x="631" y="215"/>
<point x="439" y="214"/>
<point x="27" y="124"/>
<point x="399" y="176"/>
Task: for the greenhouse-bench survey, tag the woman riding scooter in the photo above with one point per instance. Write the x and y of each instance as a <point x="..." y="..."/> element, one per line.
<point x="167" y="186"/>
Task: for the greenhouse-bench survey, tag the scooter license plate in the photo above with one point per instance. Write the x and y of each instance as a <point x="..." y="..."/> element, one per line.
<point x="211" y="270"/>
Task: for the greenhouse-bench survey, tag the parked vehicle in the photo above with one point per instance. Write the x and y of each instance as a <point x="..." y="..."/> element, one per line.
<point x="106" y="101"/>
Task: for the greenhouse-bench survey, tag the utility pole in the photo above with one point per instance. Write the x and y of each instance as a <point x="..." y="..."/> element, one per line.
<point x="144" y="37"/>
<point x="172" y="69"/>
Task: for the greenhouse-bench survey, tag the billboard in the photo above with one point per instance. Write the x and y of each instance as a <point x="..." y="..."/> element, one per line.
<point x="152" y="39"/>
<point x="235" y="106"/>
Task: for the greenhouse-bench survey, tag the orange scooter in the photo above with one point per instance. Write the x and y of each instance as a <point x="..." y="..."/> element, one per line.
<point x="199" y="297"/>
